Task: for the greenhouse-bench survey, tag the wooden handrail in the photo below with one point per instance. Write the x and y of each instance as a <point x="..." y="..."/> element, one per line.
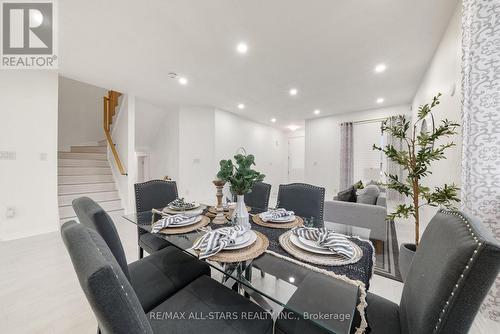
<point x="110" y="103"/>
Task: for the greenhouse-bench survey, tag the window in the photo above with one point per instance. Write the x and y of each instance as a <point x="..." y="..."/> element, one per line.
<point x="369" y="164"/>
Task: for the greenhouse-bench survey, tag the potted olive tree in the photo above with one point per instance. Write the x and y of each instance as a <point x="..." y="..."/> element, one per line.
<point x="422" y="147"/>
<point x="241" y="179"/>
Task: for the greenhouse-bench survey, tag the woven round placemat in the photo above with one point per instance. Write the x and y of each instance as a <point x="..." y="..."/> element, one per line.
<point x="322" y="259"/>
<point x="185" y="229"/>
<point x="297" y="222"/>
<point x="243" y="254"/>
<point x="176" y="212"/>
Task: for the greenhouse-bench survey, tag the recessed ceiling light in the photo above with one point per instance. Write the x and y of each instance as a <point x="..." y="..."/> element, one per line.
<point x="291" y="279"/>
<point x="242" y="48"/>
<point x="183" y="81"/>
<point x="293" y="127"/>
<point x="380" y="100"/>
<point x="273" y="120"/>
<point x="241" y="106"/>
<point x="380" y="68"/>
<point x="293" y="91"/>
<point x="317" y="112"/>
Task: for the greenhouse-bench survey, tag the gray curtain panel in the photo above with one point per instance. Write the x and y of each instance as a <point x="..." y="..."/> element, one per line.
<point x="346" y="155"/>
<point x="481" y="122"/>
<point x="392" y="167"/>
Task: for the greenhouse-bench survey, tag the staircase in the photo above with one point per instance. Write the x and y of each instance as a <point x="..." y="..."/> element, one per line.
<point x="85" y="171"/>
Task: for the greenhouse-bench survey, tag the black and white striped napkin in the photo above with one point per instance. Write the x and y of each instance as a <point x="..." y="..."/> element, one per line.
<point x="215" y="241"/>
<point x="276" y="214"/>
<point x="171" y="221"/>
<point x="336" y="242"/>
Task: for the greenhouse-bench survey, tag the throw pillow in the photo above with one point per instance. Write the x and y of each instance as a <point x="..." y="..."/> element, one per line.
<point x="348" y="195"/>
<point x="368" y="195"/>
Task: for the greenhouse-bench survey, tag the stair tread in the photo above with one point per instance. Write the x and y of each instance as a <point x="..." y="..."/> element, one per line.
<point x="98" y="201"/>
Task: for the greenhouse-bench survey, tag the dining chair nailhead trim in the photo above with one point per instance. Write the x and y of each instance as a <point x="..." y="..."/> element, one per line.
<point x="138" y="185"/>
<point x="462" y="275"/>
<point x="307" y="186"/>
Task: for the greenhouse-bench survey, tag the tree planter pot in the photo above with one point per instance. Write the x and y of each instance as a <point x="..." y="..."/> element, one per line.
<point x="406" y="253"/>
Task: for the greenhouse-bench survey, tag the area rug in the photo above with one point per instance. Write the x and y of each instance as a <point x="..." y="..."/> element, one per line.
<point x="386" y="264"/>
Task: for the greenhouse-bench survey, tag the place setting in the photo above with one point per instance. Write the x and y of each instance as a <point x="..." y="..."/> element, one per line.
<point x="180" y="217"/>
<point x="278" y="218"/>
<point x="230" y="244"/>
<point x="320" y="246"/>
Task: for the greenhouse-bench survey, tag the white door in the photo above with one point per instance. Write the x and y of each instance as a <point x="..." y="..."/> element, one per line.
<point x="296" y="159"/>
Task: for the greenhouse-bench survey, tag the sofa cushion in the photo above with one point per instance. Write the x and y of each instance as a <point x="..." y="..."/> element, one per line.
<point x="348" y="195"/>
<point x="368" y="195"/>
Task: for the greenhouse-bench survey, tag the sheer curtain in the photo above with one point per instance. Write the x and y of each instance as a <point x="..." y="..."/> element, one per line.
<point x="392" y="167"/>
<point x="481" y="116"/>
<point x="346" y="155"/>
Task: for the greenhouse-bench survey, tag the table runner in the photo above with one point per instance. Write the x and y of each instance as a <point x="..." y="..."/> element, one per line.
<point x="359" y="271"/>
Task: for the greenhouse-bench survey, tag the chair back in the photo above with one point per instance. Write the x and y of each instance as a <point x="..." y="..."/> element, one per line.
<point x="109" y="293"/>
<point x="304" y="199"/>
<point x="452" y="270"/>
<point x="154" y="194"/>
<point x="94" y="217"/>
<point x="258" y="198"/>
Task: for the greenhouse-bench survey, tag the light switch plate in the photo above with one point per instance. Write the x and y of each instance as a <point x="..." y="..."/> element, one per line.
<point x="7" y="155"/>
<point x="10" y="212"/>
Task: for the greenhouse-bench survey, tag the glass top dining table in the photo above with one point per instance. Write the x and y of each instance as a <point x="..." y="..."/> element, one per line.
<point x="282" y="288"/>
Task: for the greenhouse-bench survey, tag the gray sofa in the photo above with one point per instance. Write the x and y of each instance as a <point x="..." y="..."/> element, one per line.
<point x="370" y="216"/>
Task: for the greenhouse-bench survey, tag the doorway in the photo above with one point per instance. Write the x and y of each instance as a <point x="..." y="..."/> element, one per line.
<point x="296" y="159"/>
<point x="142" y="168"/>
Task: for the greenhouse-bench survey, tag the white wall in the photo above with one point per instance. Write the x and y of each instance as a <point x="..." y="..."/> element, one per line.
<point x="269" y="146"/>
<point x="80" y="113"/>
<point x="444" y="75"/>
<point x="323" y="145"/>
<point x="157" y="135"/>
<point x="28" y="126"/>
<point x="196" y="153"/>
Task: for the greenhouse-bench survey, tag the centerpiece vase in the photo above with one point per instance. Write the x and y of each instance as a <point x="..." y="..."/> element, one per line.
<point x="240" y="214"/>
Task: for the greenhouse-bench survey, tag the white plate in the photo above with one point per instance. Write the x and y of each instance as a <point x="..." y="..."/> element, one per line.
<point x="197" y="220"/>
<point x="196" y="206"/>
<point x="278" y="220"/>
<point x="250" y="236"/>
<point x="295" y="240"/>
<point x="312" y="244"/>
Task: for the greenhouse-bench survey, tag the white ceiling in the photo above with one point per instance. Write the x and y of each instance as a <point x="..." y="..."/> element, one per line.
<point x="326" y="49"/>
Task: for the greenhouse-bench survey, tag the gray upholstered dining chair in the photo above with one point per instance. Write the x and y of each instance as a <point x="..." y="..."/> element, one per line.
<point x="304" y="199"/>
<point x="258" y="198"/>
<point x="452" y="270"/>
<point x="118" y="309"/>
<point x="154" y="194"/>
<point x="154" y="277"/>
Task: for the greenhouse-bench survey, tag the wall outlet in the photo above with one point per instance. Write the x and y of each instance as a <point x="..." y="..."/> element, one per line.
<point x="7" y="155"/>
<point x="196" y="160"/>
<point x="10" y="212"/>
<point x="43" y="156"/>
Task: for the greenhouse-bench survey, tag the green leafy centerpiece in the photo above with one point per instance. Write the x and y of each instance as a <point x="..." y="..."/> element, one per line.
<point x="241" y="178"/>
